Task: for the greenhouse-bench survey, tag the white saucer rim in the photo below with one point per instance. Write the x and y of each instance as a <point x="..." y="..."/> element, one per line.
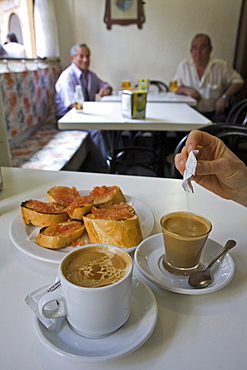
<point x="174" y="288"/>
<point x="104" y="358"/>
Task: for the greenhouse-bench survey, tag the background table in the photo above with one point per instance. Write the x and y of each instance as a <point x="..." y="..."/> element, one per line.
<point x="159" y="117"/>
<point x="193" y="332"/>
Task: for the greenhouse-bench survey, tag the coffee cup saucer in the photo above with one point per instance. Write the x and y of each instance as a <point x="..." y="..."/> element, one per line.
<point x="132" y="335"/>
<point x="149" y="255"/>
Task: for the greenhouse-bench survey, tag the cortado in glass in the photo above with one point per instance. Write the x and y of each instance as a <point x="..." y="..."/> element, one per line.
<point x="185" y="234"/>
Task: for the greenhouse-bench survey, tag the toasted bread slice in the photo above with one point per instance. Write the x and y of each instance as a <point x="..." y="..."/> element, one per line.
<point x="115" y="224"/>
<point x="42" y="214"/>
<point x="107" y="194"/>
<point x="62" y="195"/>
<point x="60" y="235"/>
<point x="80" y="207"/>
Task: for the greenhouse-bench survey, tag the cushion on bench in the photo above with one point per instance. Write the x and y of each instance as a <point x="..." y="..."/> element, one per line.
<point x="51" y="149"/>
<point x="28" y="122"/>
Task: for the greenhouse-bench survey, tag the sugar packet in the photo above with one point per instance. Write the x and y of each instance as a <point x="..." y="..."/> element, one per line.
<point x="32" y="300"/>
<point x="190" y="170"/>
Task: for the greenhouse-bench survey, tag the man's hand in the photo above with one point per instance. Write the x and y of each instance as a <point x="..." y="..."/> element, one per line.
<point x="220" y="105"/>
<point x="105" y="91"/>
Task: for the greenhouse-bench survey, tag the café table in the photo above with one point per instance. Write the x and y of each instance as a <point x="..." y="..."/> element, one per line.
<point x="160" y="117"/>
<point x="165" y="97"/>
<point x="193" y="331"/>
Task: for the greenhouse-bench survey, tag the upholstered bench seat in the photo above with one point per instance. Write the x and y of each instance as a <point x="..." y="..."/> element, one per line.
<point x="29" y="137"/>
<point x="51" y="149"/>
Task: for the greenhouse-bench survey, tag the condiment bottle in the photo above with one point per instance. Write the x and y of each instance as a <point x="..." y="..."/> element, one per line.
<point x="79" y="98"/>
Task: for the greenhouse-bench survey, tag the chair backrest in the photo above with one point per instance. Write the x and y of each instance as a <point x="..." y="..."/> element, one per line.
<point x="231" y="135"/>
<point x="238" y="113"/>
<point x="162" y="86"/>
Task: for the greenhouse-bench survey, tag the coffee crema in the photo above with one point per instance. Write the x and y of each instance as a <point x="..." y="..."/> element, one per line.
<point x="185" y="224"/>
<point x="95" y="267"/>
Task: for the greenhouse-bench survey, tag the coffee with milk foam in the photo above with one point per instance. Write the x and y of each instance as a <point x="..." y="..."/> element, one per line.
<point x="95" y="267"/>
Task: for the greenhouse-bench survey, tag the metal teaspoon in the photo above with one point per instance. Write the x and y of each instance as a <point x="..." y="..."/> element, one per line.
<point x="201" y="279"/>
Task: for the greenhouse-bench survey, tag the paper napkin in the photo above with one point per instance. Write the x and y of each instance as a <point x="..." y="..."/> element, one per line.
<point x="190" y="170"/>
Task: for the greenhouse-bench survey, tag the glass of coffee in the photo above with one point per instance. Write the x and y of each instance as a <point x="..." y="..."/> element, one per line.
<point x="96" y="290"/>
<point x="184" y="235"/>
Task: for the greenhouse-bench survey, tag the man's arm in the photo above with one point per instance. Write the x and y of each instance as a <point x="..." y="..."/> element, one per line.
<point x="105" y="91"/>
<point x="190" y="91"/>
<point x="222" y="101"/>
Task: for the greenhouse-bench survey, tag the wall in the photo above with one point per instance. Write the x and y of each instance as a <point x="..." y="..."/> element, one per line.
<point x="155" y="50"/>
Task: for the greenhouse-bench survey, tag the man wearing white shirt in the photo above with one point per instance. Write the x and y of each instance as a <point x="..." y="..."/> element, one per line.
<point x="211" y="81"/>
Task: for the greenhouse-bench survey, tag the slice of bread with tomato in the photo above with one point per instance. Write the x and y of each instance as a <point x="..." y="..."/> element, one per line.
<point x="80" y="206"/>
<point x="60" y="235"/>
<point x="63" y="195"/>
<point x="42" y="214"/>
<point x="107" y="194"/>
<point x="115" y="224"/>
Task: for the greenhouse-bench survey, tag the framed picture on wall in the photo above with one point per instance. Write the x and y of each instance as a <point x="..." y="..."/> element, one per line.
<point x="124" y="12"/>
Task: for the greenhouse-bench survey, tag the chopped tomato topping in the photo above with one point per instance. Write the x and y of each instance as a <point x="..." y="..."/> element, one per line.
<point x="102" y="191"/>
<point x="77" y="243"/>
<point x="120" y="211"/>
<point x="64" y="195"/>
<point x="79" y="202"/>
<point x="63" y="229"/>
<point x="44" y="207"/>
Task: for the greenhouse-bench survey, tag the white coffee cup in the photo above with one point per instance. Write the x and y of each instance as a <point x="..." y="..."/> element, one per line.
<point x="92" y="310"/>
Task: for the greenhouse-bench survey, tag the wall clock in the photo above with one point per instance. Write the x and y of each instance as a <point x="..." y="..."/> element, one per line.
<point x="124" y="12"/>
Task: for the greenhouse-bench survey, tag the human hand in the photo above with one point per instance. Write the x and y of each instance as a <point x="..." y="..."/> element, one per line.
<point x="218" y="169"/>
<point x="193" y="93"/>
<point x="220" y="105"/>
<point x="105" y="91"/>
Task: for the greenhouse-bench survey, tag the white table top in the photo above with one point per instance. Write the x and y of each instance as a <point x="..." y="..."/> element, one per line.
<point x="159" y="117"/>
<point x="201" y="331"/>
<point x="165" y="97"/>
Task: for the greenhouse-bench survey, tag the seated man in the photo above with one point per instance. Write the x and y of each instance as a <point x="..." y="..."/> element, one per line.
<point x="212" y="82"/>
<point x="78" y="73"/>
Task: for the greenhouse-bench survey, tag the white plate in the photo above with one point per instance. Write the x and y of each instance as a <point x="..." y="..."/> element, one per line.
<point x="132" y="335"/>
<point x="148" y="258"/>
<point x="19" y="233"/>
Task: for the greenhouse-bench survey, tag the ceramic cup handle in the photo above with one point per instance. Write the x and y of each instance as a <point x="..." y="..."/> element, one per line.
<point x="53" y="305"/>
